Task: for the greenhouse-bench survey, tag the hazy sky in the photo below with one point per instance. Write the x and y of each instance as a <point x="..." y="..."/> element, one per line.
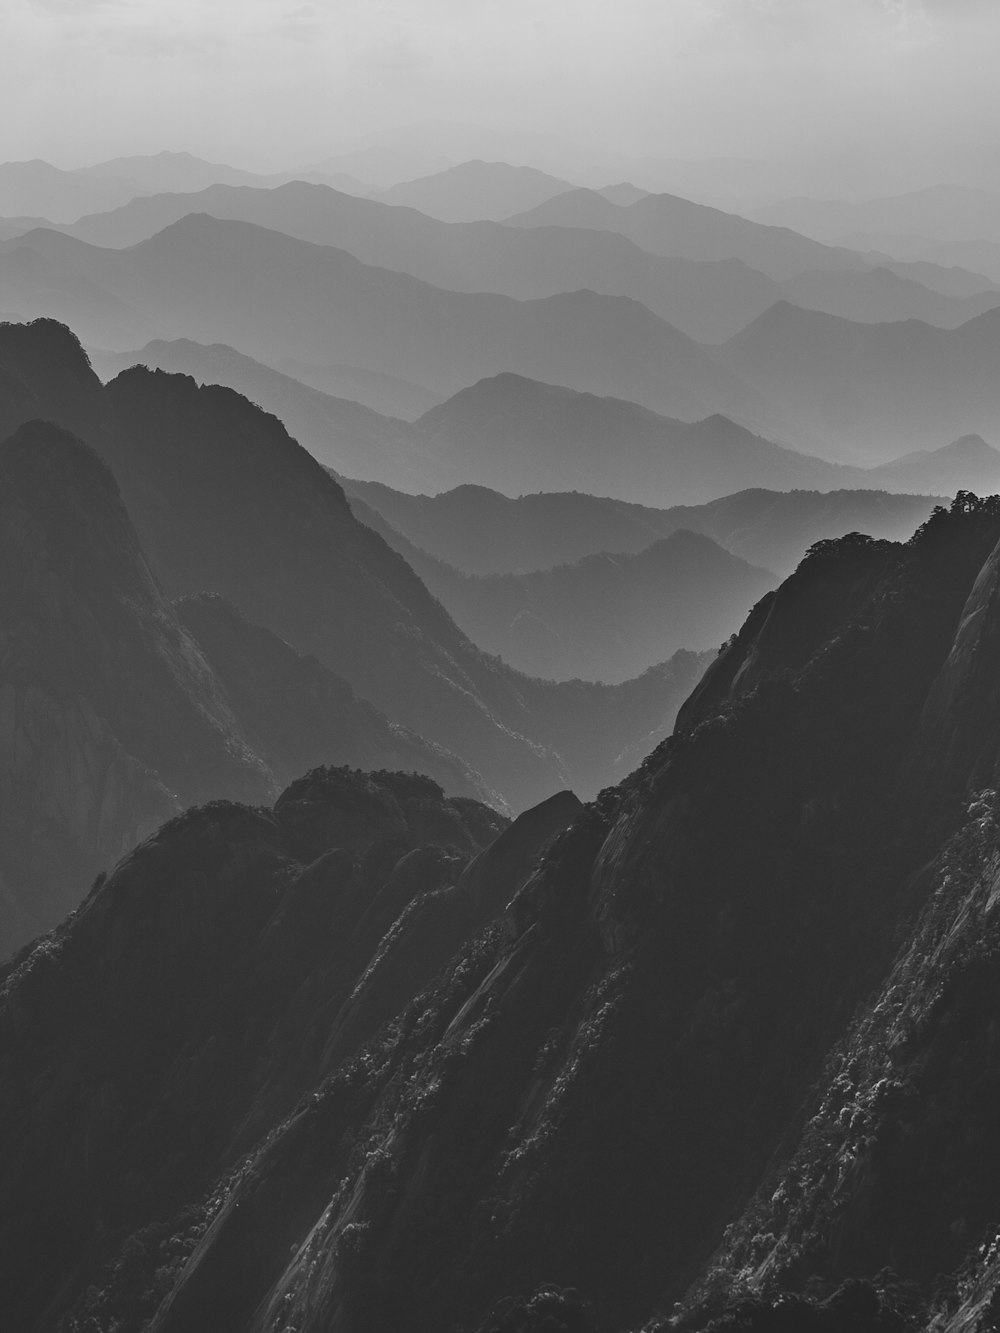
<point x="284" y="82"/>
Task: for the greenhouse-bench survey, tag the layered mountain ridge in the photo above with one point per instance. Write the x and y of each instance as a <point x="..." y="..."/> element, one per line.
<point x="655" y="1002"/>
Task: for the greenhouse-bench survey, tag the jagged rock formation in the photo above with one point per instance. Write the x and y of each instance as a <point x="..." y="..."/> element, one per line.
<point x="212" y="980"/>
<point x="579" y="1109"/>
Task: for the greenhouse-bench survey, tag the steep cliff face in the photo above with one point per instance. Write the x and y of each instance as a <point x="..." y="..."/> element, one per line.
<point x="567" y="1121"/>
<point x="193" y="1000"/>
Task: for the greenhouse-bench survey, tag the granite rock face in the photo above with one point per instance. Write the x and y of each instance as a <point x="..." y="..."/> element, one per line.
<point x="199" y="999"/>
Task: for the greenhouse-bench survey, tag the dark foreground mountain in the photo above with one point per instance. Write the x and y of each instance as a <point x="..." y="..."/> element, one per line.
<point x="480" y="531"/>
<point x="760" y="973"/>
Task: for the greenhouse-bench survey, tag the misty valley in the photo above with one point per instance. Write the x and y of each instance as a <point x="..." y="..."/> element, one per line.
<point x="499" y="747"/>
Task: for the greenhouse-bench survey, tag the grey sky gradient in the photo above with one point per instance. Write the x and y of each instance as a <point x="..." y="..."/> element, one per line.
<point x="275" y="83"/>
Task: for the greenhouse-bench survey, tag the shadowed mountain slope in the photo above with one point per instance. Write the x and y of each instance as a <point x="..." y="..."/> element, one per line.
<point x="111" y="718"/>
<point x="118" y="709"/>
<point x="590" y="1091"/>
<point x="340" y="433"/>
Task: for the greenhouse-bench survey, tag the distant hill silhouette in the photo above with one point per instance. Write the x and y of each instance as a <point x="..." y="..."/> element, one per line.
<point x="38" y="189"/>
<point x="481" y="531"/>
<point x="476" y="191"/>
<point x="705" y="300"/>
<point x="665" y="224"/>
<point x="876" y="390"/>
<point x="942" y="213"/>
<point x="342" y="434"/>
<point x="183" y="171"/>
<point x="515" y="435"/>
<point x="607" y="617"/>
<point x="275" y="297"/>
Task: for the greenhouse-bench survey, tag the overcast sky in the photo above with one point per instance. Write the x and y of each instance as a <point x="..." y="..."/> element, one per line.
<point x="285" y="82"/>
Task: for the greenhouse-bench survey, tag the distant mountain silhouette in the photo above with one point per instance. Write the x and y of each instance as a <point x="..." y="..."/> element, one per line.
<point x="340" y="433"/>
<point x="275" y="297"/>
<point x="224" y="501"/>
<point x="608" y="617"/>
<point x="980" y="256"/>
<point x="516" y="435"/>
<point x="938" y="212"/>
<point x="966" y="464"/>
<point x="385" y="394"/>
<point x="481" y="531"/>
<point x="876" y="390"/>
<point x="665" y="224"/>
<point x="476" y="191"/>
<point x="883" y="296"/>
<point x="705" y="300"/>
<point x="183" y="171"/>
<point x="38" y="189"/>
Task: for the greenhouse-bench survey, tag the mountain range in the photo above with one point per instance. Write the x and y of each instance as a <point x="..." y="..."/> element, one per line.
<point x="709" y="299"/>
<point x="198" y="470"/>
<point x="337" y="1073"/>
<point x="607" y="617"/>
<point x="275" y="297"/>
<point x="480" y="531"/>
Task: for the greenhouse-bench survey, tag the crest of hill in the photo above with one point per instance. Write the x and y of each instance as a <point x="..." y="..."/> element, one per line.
<point x="709" y="301"/>
<point x="515" y="435"/>
<point x="476" y="191"/>
<point x="942" y="213"/>
<point x="480" y="531"/>
<point x="38" y="189"/>
<point x="876" y="390"/>
<point x="606" y="617"/>
<point x="666" y="224"/>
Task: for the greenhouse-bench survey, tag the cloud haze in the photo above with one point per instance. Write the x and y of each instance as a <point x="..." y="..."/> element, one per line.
<point x="281" y="82"/>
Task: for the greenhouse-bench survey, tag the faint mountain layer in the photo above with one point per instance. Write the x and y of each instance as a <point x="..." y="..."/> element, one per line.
<point x="480" y="531"/>
<point x="275" y="297"/>
<point x="665" y="224"/>
<point x="942" y="213"/>
<point x="608" y="617"/>
<point x="707" y="299"/>
<point x="875" y="390"/>
<point x="476" y="191"/>
<point x="38" y="189"/>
